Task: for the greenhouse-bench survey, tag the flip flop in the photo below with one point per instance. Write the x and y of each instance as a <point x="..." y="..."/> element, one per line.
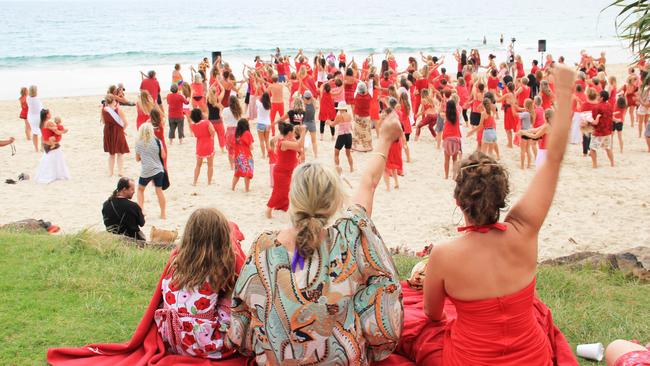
<point x="10" y="181"/>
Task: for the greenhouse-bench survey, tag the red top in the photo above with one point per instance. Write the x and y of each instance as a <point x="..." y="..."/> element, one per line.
<point x="520" y="70"/>
<point x="451" y="130"/>
<point x="349" y="92"/>
<point x="404" y="119"/>
<point x="525" y="93"/>
<point x="579" y="97"/>
<point x="59" y="127"/>
<point x="47" y="134"/>
<point x="489" y="122"/>
<point x="539" y="117"/>
<point x="204" y="142"/>
<point x="484" y="228"/>
<point x="612" y="97"/>
<point x="463" y="95"/>
<point x="492" y="83"/>
<point x="287" y="159"/>
<point x="23" y="107"/>
<point x="392" y="64"/>
<point x="420" y="84"/>
<point x="197" y="90"/>
<point x="243" y="145"/>
<point x="534" y="69"/>
<point x="152" y="86"/>
<point x="547" y="100"/>
<point x="618" y="114"/>
<point x="175" y="102"/>
<point x="362" y="105"/>
<point x="384" y="84"/>
<point x="497" y="331"/>
<point x="342" y="57"/>
<point x="604" y="126"/>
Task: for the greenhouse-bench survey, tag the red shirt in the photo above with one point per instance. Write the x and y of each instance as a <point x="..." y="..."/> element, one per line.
<point x="463" y="95"/>
<point x="451" y="130"/>
<point x="362" y="105"/>
<point x="175" y="102"/>
<point x="582" y="98"/>
<point x="525" y="93"/>
<point x="384" y="84"/>
<point x="604" y="126"/>
<point x="534" y="69"/>
<point x="152" y="86"/>
<point x="404" y="120"/>
<point x="618" y="114"/>
<point x="204" y="142"/>
<point x="243" y="144"/>
<point x="420" y="84"/>
<point x="492" y="83"/>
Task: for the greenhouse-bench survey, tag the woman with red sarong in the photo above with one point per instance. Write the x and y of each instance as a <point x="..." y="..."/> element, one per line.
<point x="287" y="151"/>
<point x="478" y="306"/>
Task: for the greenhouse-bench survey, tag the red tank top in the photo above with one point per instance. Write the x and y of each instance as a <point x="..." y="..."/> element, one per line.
<point x="287" y="159"/>
<point x="489" y="122"/>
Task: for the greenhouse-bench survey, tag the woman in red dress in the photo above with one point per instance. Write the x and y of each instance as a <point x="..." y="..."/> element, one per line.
<point x="479" y="299"/>
<point x="326" y="111"/>
<point x="287" y="151"/>
<point x="144" y="105"/>
<point x="23" y="112"/>
<point x="115" y="144"/>
<point x="394" y="163"/>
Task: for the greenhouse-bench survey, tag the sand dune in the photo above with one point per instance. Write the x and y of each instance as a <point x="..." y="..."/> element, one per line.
<point x="605" y="209"/>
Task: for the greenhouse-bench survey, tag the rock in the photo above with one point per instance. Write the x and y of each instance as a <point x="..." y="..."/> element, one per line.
<point x="633" y="262"/>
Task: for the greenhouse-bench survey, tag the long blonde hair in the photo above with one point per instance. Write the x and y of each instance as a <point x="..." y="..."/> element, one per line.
<point x="146" y="101"/>
<point x="315" y="196"/>
<point x="145" y="132"/>
<point x="205" y="253"/>
<point x="33" y="91"/>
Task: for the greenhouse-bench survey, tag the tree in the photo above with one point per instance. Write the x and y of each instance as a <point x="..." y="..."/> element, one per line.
<point x="633" y="24"/>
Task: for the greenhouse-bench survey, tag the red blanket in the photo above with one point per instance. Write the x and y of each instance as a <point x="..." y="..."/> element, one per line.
<point x="421" y="340"/>
<point x="146" y="346"/>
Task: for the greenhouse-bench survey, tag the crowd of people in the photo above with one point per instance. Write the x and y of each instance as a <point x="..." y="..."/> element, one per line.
<point x="325" y="290"/>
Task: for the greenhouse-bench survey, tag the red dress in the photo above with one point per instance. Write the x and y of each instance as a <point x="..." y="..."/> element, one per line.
<point x="204" y="142"/>
<point x="243" y="156"/>
<point x="374" y="106"/>
<point x="287" y="162"/>
<point x="394" y="158"/>
<point x="114" y="138"/>
<point x="532" y="338"/>
<point x="326" y="110"/>
<point x="23" y="107"/>
<point x="142" y="116"/>
<point x="349" y="92"/>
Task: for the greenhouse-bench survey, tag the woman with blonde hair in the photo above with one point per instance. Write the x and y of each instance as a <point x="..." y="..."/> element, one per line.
<point x="34" y="107"/>
<point x="150" y="154"/>
<point x="198" y="93"/>
<point x="144" y="105"/>
<point x="319" y="293"/>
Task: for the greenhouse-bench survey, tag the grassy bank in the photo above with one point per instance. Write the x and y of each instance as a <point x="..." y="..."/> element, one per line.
<point x="84" y="288"/>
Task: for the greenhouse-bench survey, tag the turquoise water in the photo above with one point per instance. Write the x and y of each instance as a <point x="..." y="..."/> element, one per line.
<point x="79" y="47"/>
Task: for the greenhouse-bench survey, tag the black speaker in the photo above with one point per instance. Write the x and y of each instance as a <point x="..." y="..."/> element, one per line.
<point x="215" y="54"/>
<point x="541" y="45"/>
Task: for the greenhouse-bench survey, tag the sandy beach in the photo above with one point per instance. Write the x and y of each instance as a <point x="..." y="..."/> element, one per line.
<point x="606" y="209"/>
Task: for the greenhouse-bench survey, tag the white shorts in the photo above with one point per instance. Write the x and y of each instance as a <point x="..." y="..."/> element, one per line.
<point x="642" y="110"/>
<point x="598" y="142"/>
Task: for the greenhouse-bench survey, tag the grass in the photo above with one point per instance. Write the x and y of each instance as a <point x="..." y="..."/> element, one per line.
<point x="85" y="288"/>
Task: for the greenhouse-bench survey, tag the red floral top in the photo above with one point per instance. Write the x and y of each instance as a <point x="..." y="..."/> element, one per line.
<point x="193" y="322"/>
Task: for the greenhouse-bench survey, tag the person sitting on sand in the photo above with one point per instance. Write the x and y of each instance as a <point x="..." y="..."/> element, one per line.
<point x="121" y="215"/>
<point x="489" y="273"/>
<point x="331" y="292"/>
<point x="626" y="353"/>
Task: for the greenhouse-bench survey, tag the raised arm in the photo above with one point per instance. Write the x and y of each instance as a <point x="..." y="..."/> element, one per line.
<point x="527" y="215"/>
<point x="364" y="196"/>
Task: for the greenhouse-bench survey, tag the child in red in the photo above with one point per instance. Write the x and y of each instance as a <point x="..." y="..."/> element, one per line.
<point x="23" y="112"/>
<point x="243" y="154"/>
<point x="61" y="130"/>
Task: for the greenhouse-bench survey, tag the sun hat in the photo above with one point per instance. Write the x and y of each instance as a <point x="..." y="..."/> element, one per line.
<point x="307" y="94"/>
<point x="342" y="106"/>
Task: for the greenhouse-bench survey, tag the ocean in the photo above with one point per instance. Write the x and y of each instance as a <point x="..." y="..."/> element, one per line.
<point x="71" y="48"/>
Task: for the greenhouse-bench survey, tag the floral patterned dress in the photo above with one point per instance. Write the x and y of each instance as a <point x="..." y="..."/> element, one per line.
<point x="344" y="306"/>
<point x="194" y="322"/>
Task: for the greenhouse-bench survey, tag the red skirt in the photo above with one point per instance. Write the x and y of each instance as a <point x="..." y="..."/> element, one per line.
<point x="114" y="139"/>
<point x="394" y="158"/>
<point x="281" y="184"/>
<point x="422" y="340"/>
<point x="509" y="119"/>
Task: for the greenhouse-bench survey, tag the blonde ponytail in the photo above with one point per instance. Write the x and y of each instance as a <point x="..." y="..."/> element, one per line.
<point x="315" y="197"/>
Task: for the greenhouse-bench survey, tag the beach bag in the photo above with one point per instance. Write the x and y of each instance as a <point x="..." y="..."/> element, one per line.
<point x="166" y="183"/>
